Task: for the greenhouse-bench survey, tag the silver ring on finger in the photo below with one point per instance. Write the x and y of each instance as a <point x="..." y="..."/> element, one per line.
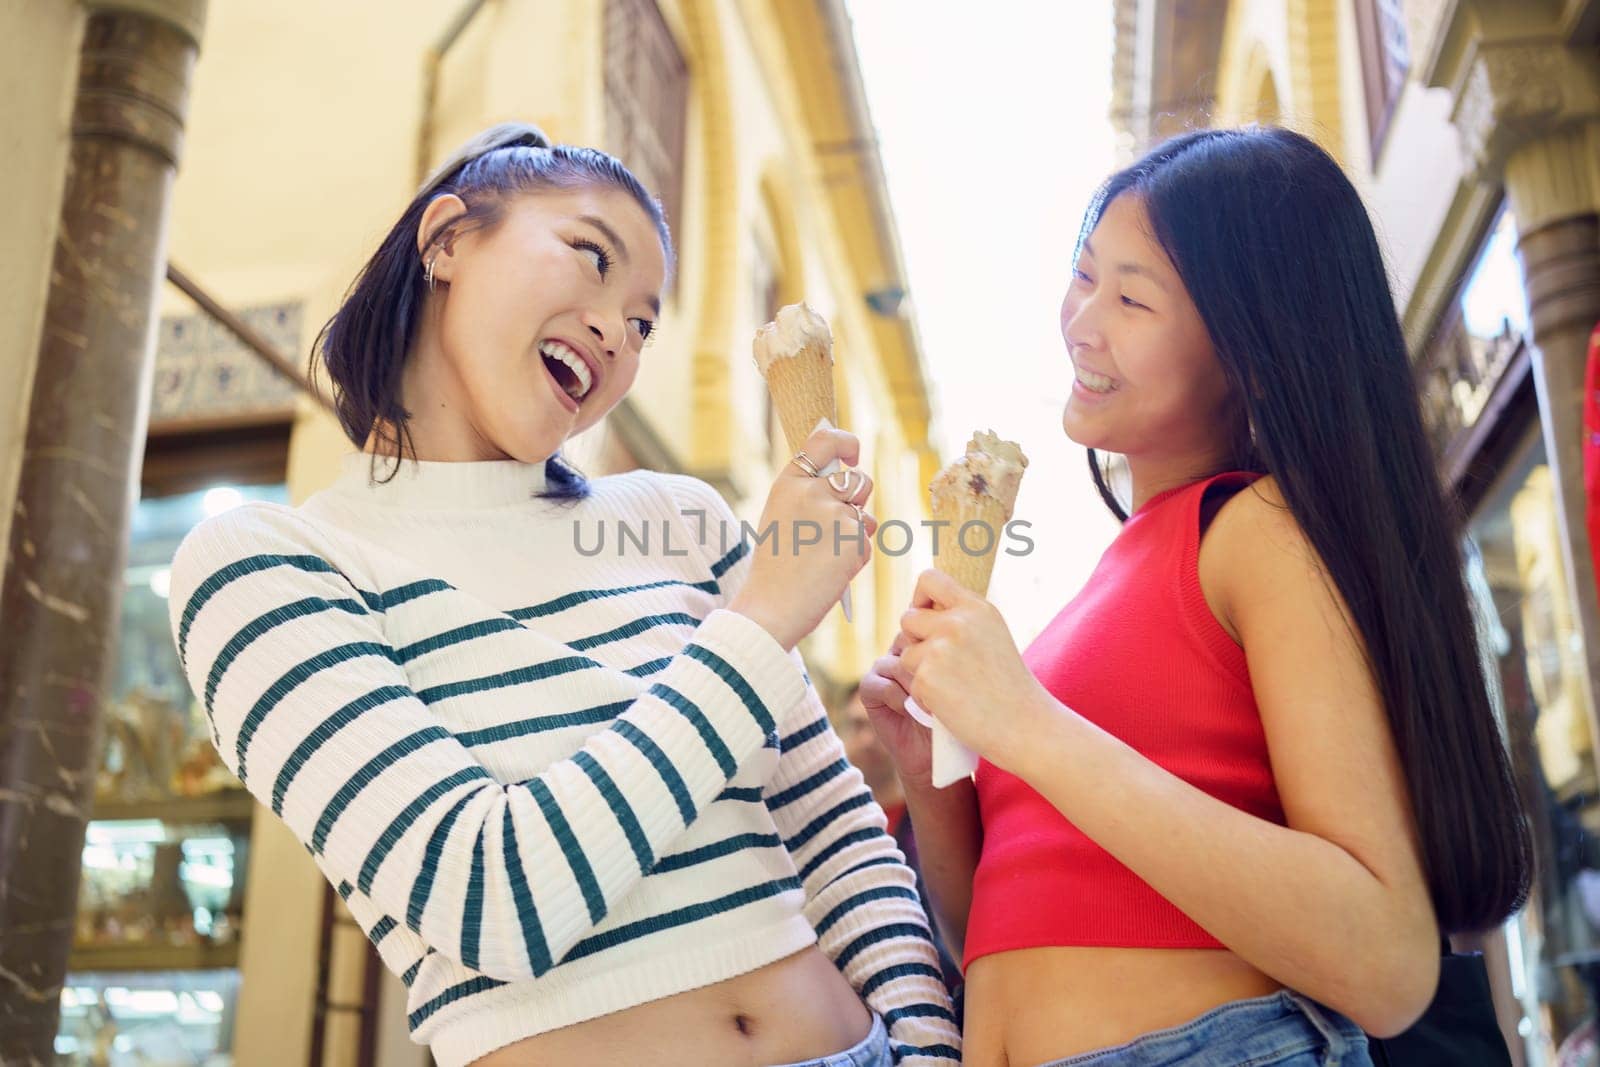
<point x="853" y="480"/>
<point x="804" y="462"/>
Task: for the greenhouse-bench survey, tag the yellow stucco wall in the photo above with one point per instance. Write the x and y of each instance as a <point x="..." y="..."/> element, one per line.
<point x="38" y="73"/>
<point x="1255" y="47"/>
<point x="1303" y="54"/>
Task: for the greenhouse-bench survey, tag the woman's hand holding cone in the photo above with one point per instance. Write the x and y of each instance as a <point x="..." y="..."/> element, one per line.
<point x="793" y="584"/>
<point x="884" y="689"/>
<point x="965" y="669"/>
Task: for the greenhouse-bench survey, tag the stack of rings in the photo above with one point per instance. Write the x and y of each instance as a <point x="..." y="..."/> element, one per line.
<point x="846" y="482"/>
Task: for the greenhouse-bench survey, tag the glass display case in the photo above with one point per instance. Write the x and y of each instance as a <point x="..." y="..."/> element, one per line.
<point x="165" y="889"/>
<point x="1540" y="685"/>
<point x="119" y="1019"/>
<point x="157" y="742"/>
<point x="153" y="977"/>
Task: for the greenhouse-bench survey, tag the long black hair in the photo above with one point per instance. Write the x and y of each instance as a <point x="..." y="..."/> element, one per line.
<point x="363" y="347"/>
<point x="1277" y="252"/>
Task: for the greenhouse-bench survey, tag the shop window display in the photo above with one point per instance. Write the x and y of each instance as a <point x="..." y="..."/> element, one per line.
<point x="154" y="971"/>
<point x="147" y="1018"/>
<point x="1541" y="689"/>
<point x="157" y="743"/>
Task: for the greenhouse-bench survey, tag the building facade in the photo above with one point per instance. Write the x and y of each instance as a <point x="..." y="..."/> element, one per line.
<point x="1472" y="129"/>
<point x="301" y="132"/>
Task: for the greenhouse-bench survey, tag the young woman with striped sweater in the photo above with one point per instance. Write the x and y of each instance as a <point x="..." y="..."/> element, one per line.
<point x="586" y="804"/>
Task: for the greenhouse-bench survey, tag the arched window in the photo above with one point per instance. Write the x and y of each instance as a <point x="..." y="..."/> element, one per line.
<point x="1267" y="109"/>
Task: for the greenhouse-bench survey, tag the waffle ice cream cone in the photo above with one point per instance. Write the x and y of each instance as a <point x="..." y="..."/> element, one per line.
<point x="980" y="487"/>
<point x="794" y="353"/>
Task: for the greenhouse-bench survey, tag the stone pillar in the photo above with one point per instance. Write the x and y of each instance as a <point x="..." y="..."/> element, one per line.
<point x="1529" y="117"/>
<point x="1551" y="188"/>
<point x="62" y="590"/>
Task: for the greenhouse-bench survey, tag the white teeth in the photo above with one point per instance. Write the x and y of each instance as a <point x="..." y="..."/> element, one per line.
<point x="557" y="351"/>
<point x="1095" y="383"/>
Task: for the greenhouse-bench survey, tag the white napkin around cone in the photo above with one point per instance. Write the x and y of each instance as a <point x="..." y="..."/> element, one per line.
<point x="952" y="761"/>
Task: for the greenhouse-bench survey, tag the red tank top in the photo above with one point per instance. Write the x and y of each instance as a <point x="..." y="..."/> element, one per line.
<point x="1139" y="653"/>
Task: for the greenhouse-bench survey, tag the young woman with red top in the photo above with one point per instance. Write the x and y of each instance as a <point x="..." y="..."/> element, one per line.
<point x="1235" y="791"/>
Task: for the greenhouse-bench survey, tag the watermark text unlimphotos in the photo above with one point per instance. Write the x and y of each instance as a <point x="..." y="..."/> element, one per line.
<point x="893" y="538"/>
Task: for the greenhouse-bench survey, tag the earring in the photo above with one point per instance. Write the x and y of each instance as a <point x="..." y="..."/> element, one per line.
<point x="428" y="273"/>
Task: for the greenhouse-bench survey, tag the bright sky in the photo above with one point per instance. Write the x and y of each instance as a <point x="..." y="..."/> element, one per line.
<point x="1494" y="295"/>
<point x="992" y="127"/>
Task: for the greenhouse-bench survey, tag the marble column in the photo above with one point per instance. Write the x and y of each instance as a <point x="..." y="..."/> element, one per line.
<point x="62" y="589"/>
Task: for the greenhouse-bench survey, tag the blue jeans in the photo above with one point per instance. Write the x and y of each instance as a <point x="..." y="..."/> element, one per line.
<point x="873" y="1051"/>
<point x="1281" y="1030"/>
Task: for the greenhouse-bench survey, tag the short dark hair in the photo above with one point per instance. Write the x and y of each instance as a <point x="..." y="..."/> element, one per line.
<point x="363" y="346"/>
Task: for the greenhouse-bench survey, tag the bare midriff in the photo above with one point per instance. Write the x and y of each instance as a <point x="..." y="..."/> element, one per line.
<point x="1031" y="1006"/>
<point x="799" y="1008"/>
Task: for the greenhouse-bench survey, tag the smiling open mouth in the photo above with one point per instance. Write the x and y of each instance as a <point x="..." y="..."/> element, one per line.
<point x="568" y="369"/>
<point x="1095" y="383"/>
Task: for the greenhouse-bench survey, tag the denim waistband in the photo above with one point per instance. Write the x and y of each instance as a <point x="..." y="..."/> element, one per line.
<point x="870" y="1051"/>
<point x="1267" y="1029"/>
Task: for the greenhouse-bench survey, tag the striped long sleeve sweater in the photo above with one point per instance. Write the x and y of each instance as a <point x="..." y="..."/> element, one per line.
<point x="550" y="782"/>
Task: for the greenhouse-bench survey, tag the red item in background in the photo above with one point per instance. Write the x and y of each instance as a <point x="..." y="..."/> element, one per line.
<point x="896" y="814"/>
<point x="1591" y="447"/>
